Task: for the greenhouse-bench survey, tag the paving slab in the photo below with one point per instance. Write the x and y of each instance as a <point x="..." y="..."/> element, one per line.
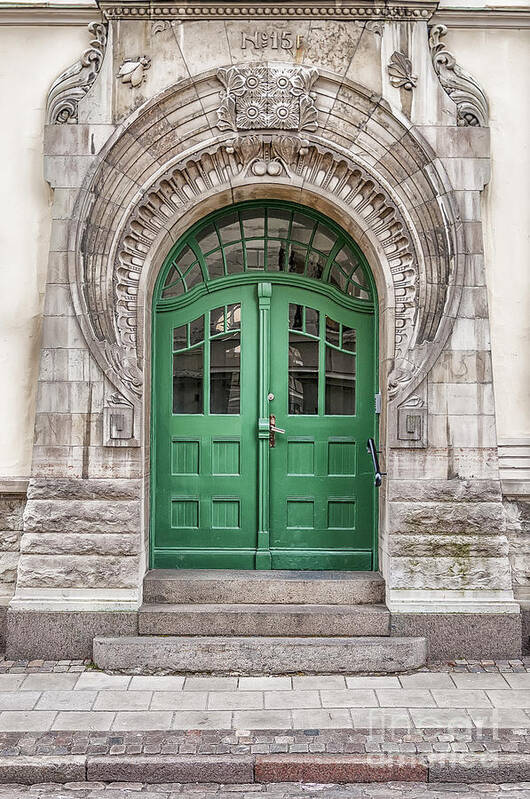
<point x="154" y="682"/>
<point x="237" y="700"/>
<point x="276" y="700"/>
<point x="322" y="719"/>
<point x="263" y="719"/>
<point x="123" y="700"/>
<point x="349" y="698"/>
<point x="388" y="697"/>
<point x="31" y="720"/>
<point x="66" y="700"/>
<point x="509" y="698"/>
<point x="50" y="682"/>
<point x="99" y="681"/>
<point x="18" y="700"/>
<point x="142" y="720"/>
<point x="462" y="698"/>
<point x="202" y="720"/>
<point x="481" y="681"/>
<point x="79" y="720"/>
<point x="179" y="700"/>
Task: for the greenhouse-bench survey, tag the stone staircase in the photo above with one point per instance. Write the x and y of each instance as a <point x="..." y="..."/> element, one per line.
<point x="255" y="622"/>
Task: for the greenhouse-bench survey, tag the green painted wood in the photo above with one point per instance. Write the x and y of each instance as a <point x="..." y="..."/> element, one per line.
<point x="321" y="497"/>
<point x="263" y="555"/>
<point x="220" y="498"/>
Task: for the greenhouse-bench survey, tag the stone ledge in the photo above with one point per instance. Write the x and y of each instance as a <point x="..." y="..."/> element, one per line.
<point x="233" y="769"/>
<point x="340" y="768"/>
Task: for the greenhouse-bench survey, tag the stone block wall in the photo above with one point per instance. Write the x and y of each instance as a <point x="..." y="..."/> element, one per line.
<point x="12" y="501"/>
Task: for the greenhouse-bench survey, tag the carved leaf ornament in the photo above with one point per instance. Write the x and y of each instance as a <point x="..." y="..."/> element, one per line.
<point x="462" y="88"/>
<point x="400" y="71"/>
<point x="72" y="85"/>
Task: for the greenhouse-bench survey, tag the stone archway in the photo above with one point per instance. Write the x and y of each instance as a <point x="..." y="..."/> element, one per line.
<point x="400" y="207"/>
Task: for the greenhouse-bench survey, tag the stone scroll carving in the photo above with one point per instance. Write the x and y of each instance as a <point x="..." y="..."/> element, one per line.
<point x="72" y="85"/>
<point x="462" y="88"/>
<point x="267" y="96"/>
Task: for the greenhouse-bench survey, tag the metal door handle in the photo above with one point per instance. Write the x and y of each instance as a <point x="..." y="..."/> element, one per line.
<point x="273" y="430"/>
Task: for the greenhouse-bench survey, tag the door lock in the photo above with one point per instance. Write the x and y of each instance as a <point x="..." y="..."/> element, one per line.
<point x="273" y="430"/>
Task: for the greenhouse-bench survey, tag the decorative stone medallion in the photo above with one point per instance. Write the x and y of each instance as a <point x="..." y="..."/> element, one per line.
<point x="267" y="96"/>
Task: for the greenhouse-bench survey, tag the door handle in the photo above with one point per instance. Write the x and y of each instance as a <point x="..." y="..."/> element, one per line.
<point x="273" y="430"/>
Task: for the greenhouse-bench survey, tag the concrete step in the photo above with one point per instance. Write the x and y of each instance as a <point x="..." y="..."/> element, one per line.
<point x="264" y="620"/>
<point x="260" y="655"/>
<point x="226" y="586"/>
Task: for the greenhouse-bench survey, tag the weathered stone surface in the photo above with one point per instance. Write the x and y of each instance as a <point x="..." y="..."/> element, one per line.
<point x="8" y="567"/>
<point x="81" y="516"/>
<point x="75" y="544"/>
<point x="446" y="517"/>
<point x="499" y="768"/>
<point x="462" y="366"/>
<point x="227" y="769"/>
<point x="461" y="635"/>
<point x="65" y="488"/>
<point x="339" y="768"/>
<point x="456" y="573"/>
<point x="46" y="768"/>
<point x="10" y="540"/>
<point x="220" y="586"/>
<point x="455" y="490"/>
<point x="51" y="635"/>
<point x="11" y="510"/>
<point x="74" y="571"/>
<point x="449" y="546"/>
<point x="253" y="655"/>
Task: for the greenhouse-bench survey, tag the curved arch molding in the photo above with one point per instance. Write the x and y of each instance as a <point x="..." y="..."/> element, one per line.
<point x="379" y="174"/>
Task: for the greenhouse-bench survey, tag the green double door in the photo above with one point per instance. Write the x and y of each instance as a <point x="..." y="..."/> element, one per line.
<point x="228" y="491"/>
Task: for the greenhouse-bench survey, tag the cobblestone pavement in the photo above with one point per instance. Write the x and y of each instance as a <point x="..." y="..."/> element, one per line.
<point x="457" y="666"/>
<point x="396" y="790"/>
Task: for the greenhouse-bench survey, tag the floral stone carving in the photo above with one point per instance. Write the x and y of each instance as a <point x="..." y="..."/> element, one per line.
<point x="72" y="85"/>
<point x="400" y="71"/>
<point x="267" y="96"/>
<point x="462" y="88"/>
<point x="133" y="70"/>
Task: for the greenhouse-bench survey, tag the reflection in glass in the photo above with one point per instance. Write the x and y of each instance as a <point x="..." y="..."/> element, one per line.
<point x="207" y="238"/>
<point x="224" y="374"/>
<point x="348" y="338"/>
<point x="233" y="316"/>
<point x="297" y="258"/>
<point x="303" y="375"/>
<point x="215" y="265"/>
<point x="278" y="223"/>
<point x="229" y="227"/>
<point x="186" y="257"/>
<point x="217" y="321"/>
<point x="276" y="256"/>
<point x="332" y="331"/>
<point x="296" y="317"/>
<point x="302" y="228"/>
<point x="193" y="277"/>
<point x="340" y="383"/>
<point x="253" y="222"/>
<point x="323" y="239"/>
<point x="197" y="331"/>
<point x="311" y="321"/>
<point x="179" y="338"/>
<point x="188" y="381"/>
<point x="234" y="258"/>
<point x="255" y="254"/>
<point x="315" y="265"/>
<point x="175" y="290"/>
<point x="337" y="278"/>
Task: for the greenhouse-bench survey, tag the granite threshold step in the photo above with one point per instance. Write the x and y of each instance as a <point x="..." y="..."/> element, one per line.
<point x="229" y="769"/>
<point x="226" y="586"/>
<point x="267" y="620"/>
<point x="260" y="655"/>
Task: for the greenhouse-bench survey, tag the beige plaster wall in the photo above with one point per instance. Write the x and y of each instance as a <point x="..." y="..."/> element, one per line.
<point x="32" y="56"/>
<point x="500" y="60"/>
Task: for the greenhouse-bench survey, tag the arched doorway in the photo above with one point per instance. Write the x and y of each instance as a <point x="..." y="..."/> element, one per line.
<point x="264" y="316"/>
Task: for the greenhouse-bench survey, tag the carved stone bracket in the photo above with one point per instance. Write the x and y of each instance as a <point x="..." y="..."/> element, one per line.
<point x="400" y="71"/>
<point x="462" y="88"/>
<point x="72" y="85"/>
<point x="269" y="155"/>
<point x="261" y="96"/>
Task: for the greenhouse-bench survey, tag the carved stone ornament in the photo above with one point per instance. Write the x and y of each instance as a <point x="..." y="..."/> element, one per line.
<point x="267" y="96"/>
<point x="462" y="88"/>
<point x="400" y="71"/>
<point x="268" y="155"/>
<point x="346" y="10"/>
<point x="133" y="70"/>
<point x="72" y="85"/>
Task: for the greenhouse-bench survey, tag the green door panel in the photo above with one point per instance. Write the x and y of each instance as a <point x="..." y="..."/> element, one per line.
<point x="279" y="320"/>
<point x="205" y="448"/>
<point x="321" y="486"/>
